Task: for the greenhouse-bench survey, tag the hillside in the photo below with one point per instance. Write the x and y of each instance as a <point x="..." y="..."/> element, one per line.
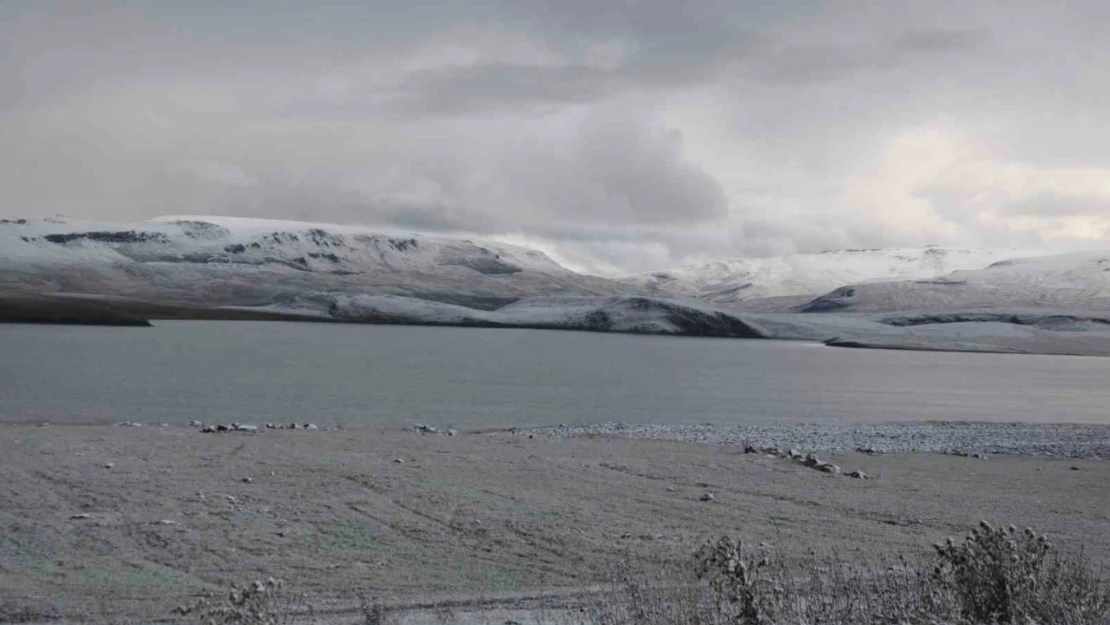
<point x="741" y="282"/>
<point x="1077" y="281"/>
<point x="215" y="261"/>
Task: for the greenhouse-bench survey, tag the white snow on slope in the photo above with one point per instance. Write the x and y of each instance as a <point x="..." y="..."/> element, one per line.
<point x="232" y="261"/>
<point x="733" y="282"/>
<point x="1076" y="281"/>
<point x="1039" y="331"/>
<point x="602" y="314"/>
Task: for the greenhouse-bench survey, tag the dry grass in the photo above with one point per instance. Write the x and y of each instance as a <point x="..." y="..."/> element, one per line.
<point x="995" y="576"/>
<point x="257" y="603"/>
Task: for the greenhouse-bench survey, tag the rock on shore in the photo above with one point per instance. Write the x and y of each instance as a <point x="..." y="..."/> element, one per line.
<point x="1065" y="439"/>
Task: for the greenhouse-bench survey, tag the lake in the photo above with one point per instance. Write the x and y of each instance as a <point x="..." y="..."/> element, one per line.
<point x="254" y="372"/>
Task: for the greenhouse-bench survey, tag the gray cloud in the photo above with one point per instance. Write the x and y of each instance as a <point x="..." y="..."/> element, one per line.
<point x="619" y="135"/>
<point x="1055" y="205"/>
<point x="941" y="41"/>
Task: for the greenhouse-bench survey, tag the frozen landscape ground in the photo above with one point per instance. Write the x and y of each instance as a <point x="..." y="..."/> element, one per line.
<point x="130" y="522"/>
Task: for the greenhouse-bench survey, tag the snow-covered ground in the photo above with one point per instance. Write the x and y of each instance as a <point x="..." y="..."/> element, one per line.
<point x="1075" y="281"/>
<point x="231" y="261"/>
<point x="1003" y="330"/>
<point x="741" y="280"/>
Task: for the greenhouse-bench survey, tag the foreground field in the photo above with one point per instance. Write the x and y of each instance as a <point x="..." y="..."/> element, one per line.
<point x="135" y="521"/>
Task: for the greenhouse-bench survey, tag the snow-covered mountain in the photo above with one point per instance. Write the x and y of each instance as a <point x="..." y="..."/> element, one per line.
<point x="1075" y="281"/>
<point x="222" y="261"/>
<point x="734" y="282"/>
<point x="230" y="261"/>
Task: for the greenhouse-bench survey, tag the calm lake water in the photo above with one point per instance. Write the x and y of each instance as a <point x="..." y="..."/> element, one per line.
<point x="255" y="372"/>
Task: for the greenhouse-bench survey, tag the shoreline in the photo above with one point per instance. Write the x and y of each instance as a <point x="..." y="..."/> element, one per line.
<point x="629" y="315"/>
<point x="1065" y="440"/>
<point x="1001" y="438"/>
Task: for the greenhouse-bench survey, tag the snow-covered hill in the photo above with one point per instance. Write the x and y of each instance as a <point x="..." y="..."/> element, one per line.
<point x="639" y="315"/>
<point x="734" y="282"/>
<point x="230" y="261"/>
<point x="1076" y="281"/>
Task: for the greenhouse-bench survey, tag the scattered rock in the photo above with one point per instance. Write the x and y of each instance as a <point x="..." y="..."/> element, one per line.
<point x="247" y="480"/>
<point x="1073" y="468"/>
<point x="871" y="451"/>
<point x="1071" y="441"/>
<point x="130" y="424"/>
<point x="231" y="498"/>
<point x="195" y="424"/>
<point x="964" y="454"/>
<point x="399" y="460"/>
<point x="828" y="467"/>
<point x="428" y="429"/>
<point x="109" y="465"/>
<point x="78" y="517"/>
<point x="708" y="497"/>
<point x="859" y="475"/>
<point x="167" y="522"/>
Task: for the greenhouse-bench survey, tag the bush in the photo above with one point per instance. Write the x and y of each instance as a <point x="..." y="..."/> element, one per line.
<point x="993" y="577"/>
<point x="257" y="603"/>
<point x="1006" y="576"/>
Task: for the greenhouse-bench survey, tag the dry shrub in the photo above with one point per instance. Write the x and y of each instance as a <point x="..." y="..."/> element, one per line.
<point x="1006" y="576"/>
<point x="373" y="611"/>
<point x="257" y="603"/>
<point x="669" y="594"/>
<point x="995" y="577"/>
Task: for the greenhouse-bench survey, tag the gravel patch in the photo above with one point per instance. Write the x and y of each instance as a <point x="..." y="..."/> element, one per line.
<point x="1027" y="439"/>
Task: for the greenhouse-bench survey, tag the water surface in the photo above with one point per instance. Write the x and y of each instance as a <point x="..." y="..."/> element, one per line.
<point x="255" y="372"/>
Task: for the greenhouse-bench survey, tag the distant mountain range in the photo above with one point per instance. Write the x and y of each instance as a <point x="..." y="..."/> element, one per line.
<point x="221" y="261"/>
<point x="224" y="261"/>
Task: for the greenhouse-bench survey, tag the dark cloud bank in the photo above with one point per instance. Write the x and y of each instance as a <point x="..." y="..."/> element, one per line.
<point x="619" y="136"/>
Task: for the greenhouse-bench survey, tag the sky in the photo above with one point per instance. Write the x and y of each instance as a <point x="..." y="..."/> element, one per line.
<point x="618" y="136"/>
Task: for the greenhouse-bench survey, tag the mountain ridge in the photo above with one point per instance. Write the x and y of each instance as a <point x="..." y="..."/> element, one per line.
<point x="737" y="281"/>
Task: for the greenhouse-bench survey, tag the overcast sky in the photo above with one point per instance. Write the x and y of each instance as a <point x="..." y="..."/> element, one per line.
<point x="616" y="135"/>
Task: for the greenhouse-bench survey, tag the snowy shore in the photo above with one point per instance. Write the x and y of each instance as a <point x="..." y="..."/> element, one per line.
<point x="1028" y="439"/>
